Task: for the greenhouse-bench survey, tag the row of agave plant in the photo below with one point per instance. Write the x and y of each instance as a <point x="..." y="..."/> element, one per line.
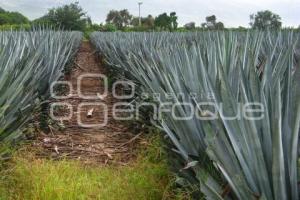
<point x="258" y="159"/>
<point x="30" y="61"/>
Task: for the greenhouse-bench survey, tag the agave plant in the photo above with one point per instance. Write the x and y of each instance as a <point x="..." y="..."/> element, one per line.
<point x="257" y="158"/>
<point x="29" y="63"/>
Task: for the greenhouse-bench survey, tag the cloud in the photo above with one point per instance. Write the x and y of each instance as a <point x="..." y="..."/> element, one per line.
<point x="232" y="12"/>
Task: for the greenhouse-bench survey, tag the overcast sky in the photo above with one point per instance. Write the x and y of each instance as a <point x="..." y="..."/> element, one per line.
<point x="231" y="12"/>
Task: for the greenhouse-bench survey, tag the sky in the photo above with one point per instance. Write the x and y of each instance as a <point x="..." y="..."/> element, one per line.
<point x="232" y="13"/>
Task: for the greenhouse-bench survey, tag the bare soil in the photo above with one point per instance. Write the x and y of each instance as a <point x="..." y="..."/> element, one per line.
<point x="114" y="143"/>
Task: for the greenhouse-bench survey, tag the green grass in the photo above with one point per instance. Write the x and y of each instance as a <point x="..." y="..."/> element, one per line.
<point x="28" y="178"/>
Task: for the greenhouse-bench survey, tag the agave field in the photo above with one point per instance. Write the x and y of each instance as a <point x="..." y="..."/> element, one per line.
<point x="213" y="78"/>
<point x="29" y="63"/>
<point x="256" y="159"/>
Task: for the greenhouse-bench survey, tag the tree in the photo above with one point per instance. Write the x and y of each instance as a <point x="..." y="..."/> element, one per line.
<point x="219" y="26"/>
<point x="162" y="21"/>
<point x="69" y="17"/>
<point x="4" y="19"/>
<point x="108" y="28"/>
<point x="212" y="24"/>
<point x="120" y="19"/>
<point x="190" y="26"/>
<point x="135" y="21"/>
<point x="2" y="10"/>
<point x="241" y="28"/>
<point x="89" y="21"/>
<point x="114" y="17"/>
<point x="211" y="21"/>
<point x="203" y="25"/>
<point x="265" y="20"/>
<point x="166" y="22"/>
<point x="147" y="22"/>
<point x="12" y="18"/>
<point x="173" y="19"/>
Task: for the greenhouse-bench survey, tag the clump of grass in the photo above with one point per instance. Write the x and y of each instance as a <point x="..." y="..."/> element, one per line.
<point x="29" y="178"/>
<point x="5" y="152"/>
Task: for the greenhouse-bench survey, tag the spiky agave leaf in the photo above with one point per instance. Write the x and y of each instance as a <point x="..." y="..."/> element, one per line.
<point x="256" y="157"/>
<point x="29" y="63"/>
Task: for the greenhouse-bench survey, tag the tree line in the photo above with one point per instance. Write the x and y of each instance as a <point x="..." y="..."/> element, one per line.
<point x="12" y="17"/>
<point x="73" y="17"/>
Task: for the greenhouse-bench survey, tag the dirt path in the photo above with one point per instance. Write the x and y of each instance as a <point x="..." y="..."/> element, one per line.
<point x="114" y="142"/>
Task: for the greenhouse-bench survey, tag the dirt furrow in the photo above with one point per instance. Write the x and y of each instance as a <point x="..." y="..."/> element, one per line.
<point x="102" y="144"/>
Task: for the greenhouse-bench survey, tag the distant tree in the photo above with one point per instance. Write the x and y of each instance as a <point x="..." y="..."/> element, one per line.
<point x="12" y="18"/>
<point x="89" y="21"/>
<point x="212" y="24"/>
<point x="173" y="19"/>
<point x="18" y="18"/>
<point x="69" y="17"/>
<point x="147" y="22"/>
<point x="94" y="27"/>
<point x="120" y="18"/>
<point x="126" y="17"/>
<point x="114" y="17"/>
<point x="219" y="26"/>
<point x="166" y="22"/>
<point x="108" y="28"/>
<point x="135" y="21"/>
<point x="2" y="10"/>
<point x="241" y="28"/>
<point x="4" y="19"/>
<point x="190" y="26"/>
<point x="163" y="21"/>
<point x="265" y="20"/>
<point x="211" y="21"/>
